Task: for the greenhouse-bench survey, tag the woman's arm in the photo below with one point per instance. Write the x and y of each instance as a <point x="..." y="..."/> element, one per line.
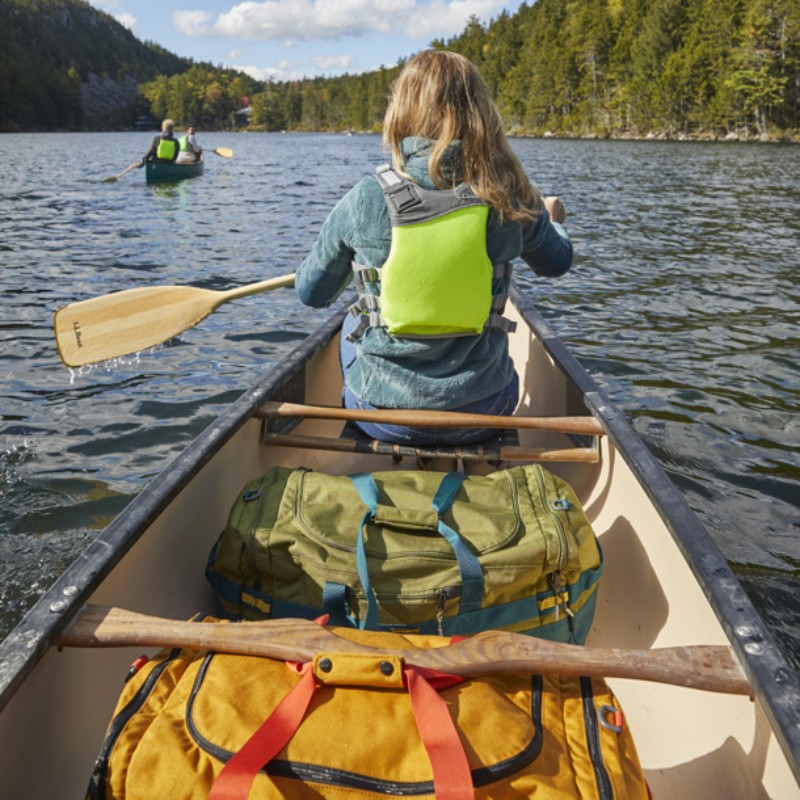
<point x="546" y="246"/>
<point x="327" y="270"/>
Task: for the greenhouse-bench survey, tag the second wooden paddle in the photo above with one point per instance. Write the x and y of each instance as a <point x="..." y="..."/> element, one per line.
<point x="709" y="667"/>
<point x="126" y="322"/>
<point x="120" y="174"/>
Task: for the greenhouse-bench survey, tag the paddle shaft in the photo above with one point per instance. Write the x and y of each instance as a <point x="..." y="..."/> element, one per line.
<point x="707" y="667"/>
<point x="119" y="175"/>
<point x="432" y="419"/>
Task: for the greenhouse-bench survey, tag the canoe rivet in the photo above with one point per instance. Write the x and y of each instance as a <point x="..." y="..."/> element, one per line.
<point x="69" y="591"/>
<point x="744" y="630"/>
<point x="386" y="667"/>
<point x="754" y="648"/>
<point x="59" y="605"/>
<point x="325" y="664"/>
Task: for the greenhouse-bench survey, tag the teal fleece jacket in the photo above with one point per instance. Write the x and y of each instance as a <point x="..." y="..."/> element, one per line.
<point x="392" y="372"/>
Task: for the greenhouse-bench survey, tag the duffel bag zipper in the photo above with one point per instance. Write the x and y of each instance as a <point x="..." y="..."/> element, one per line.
<point x="97" y="781"/>
<point x="448" y="593"/>
<point x="604" y="788"/>
<point x="440" y="597"/>
<point x="342" y="779"/>
<point x="555" y="579"/>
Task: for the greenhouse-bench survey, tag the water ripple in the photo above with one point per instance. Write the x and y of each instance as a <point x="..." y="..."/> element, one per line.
<point x="683" y="304"/>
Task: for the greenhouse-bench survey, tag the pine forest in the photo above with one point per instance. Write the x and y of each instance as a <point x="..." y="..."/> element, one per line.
<point x="581" y="68"/>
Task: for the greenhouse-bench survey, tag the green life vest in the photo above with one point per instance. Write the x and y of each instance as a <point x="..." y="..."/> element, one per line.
<point x="167" y="149"/>
<point x="184" y="143"/>
<point x="437" y="279"/>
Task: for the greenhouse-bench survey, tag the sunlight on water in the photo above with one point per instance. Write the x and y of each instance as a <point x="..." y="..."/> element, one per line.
<point x="683" y="304"/>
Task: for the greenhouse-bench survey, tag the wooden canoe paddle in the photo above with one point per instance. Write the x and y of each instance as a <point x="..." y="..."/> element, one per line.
<point x="119" y="175"/>
<point x="225" y="152"/>
<point x="431" y="419"/>
<point x="708" y="667"/>
<point x="132" y="320"/>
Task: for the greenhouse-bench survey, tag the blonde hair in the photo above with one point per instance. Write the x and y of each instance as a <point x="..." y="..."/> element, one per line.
<point x="167" y="125"/>
<point x="440" y="95"/>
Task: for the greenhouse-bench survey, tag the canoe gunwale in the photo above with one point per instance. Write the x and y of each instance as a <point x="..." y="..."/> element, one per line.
<point x="773" y="680"/>
<point x="43" y="624"/>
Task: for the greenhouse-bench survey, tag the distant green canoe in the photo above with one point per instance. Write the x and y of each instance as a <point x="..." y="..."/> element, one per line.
<point x="160" y="171"/>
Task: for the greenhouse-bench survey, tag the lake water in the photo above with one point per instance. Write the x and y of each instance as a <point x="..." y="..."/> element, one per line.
<point x="683" y="304"/>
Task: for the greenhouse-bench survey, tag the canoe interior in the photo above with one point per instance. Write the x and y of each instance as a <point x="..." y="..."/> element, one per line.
<point x="692" y="744"/>
<point x="157" y="172"/>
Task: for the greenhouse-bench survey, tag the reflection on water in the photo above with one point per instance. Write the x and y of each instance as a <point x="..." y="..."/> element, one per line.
<point x="683" y="304"/>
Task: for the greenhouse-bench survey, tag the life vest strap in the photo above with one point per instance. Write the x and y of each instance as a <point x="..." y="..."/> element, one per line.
<point x="367" y="307"/>
<point x="366" y="320"/>
<point x="364" y="274"/>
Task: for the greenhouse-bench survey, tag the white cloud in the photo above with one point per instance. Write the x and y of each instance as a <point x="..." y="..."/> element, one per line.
<point x="332" y="63"/>
<point x="191" y="23"/>
<point x="443" y="19"/>
<point x="282" y="71"/>
<point x="128" y="20"/>
<point x="295" y="70"/>
<point x="115" y="9"/>
<point x="314" y="20"/>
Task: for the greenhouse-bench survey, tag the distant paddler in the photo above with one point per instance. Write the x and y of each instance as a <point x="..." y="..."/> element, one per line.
<point x="164" y="148"/>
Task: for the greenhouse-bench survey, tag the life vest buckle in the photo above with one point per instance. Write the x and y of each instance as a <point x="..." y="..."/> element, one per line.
<point x="404" y="198"/>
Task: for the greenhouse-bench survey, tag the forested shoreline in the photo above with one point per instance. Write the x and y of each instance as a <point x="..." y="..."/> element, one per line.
<point x="709" y="69"/>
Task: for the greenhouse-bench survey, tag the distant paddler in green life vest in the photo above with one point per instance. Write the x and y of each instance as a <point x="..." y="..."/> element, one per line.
<point x="429" y="243"/>
<point x="164" y="148"/>
<point x="190" y="150"/>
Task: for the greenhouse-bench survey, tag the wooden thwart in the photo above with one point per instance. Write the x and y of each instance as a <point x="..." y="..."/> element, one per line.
<point x="433" y="419"/>
<point x="708" y="667"/>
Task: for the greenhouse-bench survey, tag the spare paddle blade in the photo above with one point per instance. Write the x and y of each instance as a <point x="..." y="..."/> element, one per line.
<point x="126" y="322"/>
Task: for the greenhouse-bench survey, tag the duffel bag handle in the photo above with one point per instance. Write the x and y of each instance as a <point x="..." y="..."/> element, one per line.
<point x="452" y="777"/>
<point x="468" y="565"/>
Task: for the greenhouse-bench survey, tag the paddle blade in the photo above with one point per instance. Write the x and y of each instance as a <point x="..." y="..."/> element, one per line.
<point x="126" y="322"/>
<point x="225" y="152"/>
<point x="120" y="174"/>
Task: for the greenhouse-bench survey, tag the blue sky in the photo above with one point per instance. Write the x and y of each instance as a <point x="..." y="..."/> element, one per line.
<point x="285" y="39"/>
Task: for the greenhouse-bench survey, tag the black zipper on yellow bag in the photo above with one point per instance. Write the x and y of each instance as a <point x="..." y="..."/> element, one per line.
<point x="313" y="773"/>
<point x="604" y="789"/>
<point x="97" y="782"/>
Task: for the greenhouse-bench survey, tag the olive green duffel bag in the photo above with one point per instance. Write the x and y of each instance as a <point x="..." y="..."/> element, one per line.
<point x="415" y="551"/>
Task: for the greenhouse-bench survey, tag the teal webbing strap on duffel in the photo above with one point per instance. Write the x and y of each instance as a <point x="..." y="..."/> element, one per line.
<point x="468" y="565"/>
<point x="437" y="553"/>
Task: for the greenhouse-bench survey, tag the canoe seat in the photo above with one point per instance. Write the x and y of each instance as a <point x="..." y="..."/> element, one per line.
<point x="280" y="419"/>
<point x="489" y="450"/>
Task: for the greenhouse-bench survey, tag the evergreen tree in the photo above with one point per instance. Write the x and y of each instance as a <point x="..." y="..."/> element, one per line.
<point x="570" y="67"/>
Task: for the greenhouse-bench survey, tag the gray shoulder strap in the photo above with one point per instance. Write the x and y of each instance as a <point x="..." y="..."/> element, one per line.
<point x="409" y="203"/>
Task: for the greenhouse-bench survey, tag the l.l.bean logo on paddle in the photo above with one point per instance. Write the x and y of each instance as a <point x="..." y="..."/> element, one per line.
<point x="77" y="328"/>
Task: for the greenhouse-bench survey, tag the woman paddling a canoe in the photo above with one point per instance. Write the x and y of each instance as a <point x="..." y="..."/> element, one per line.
<point x="429" y="244"/>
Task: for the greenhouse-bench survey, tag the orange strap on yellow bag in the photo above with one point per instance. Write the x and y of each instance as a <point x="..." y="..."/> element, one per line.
<point x="237" y="776"/>
<point x="452" y="778"/>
